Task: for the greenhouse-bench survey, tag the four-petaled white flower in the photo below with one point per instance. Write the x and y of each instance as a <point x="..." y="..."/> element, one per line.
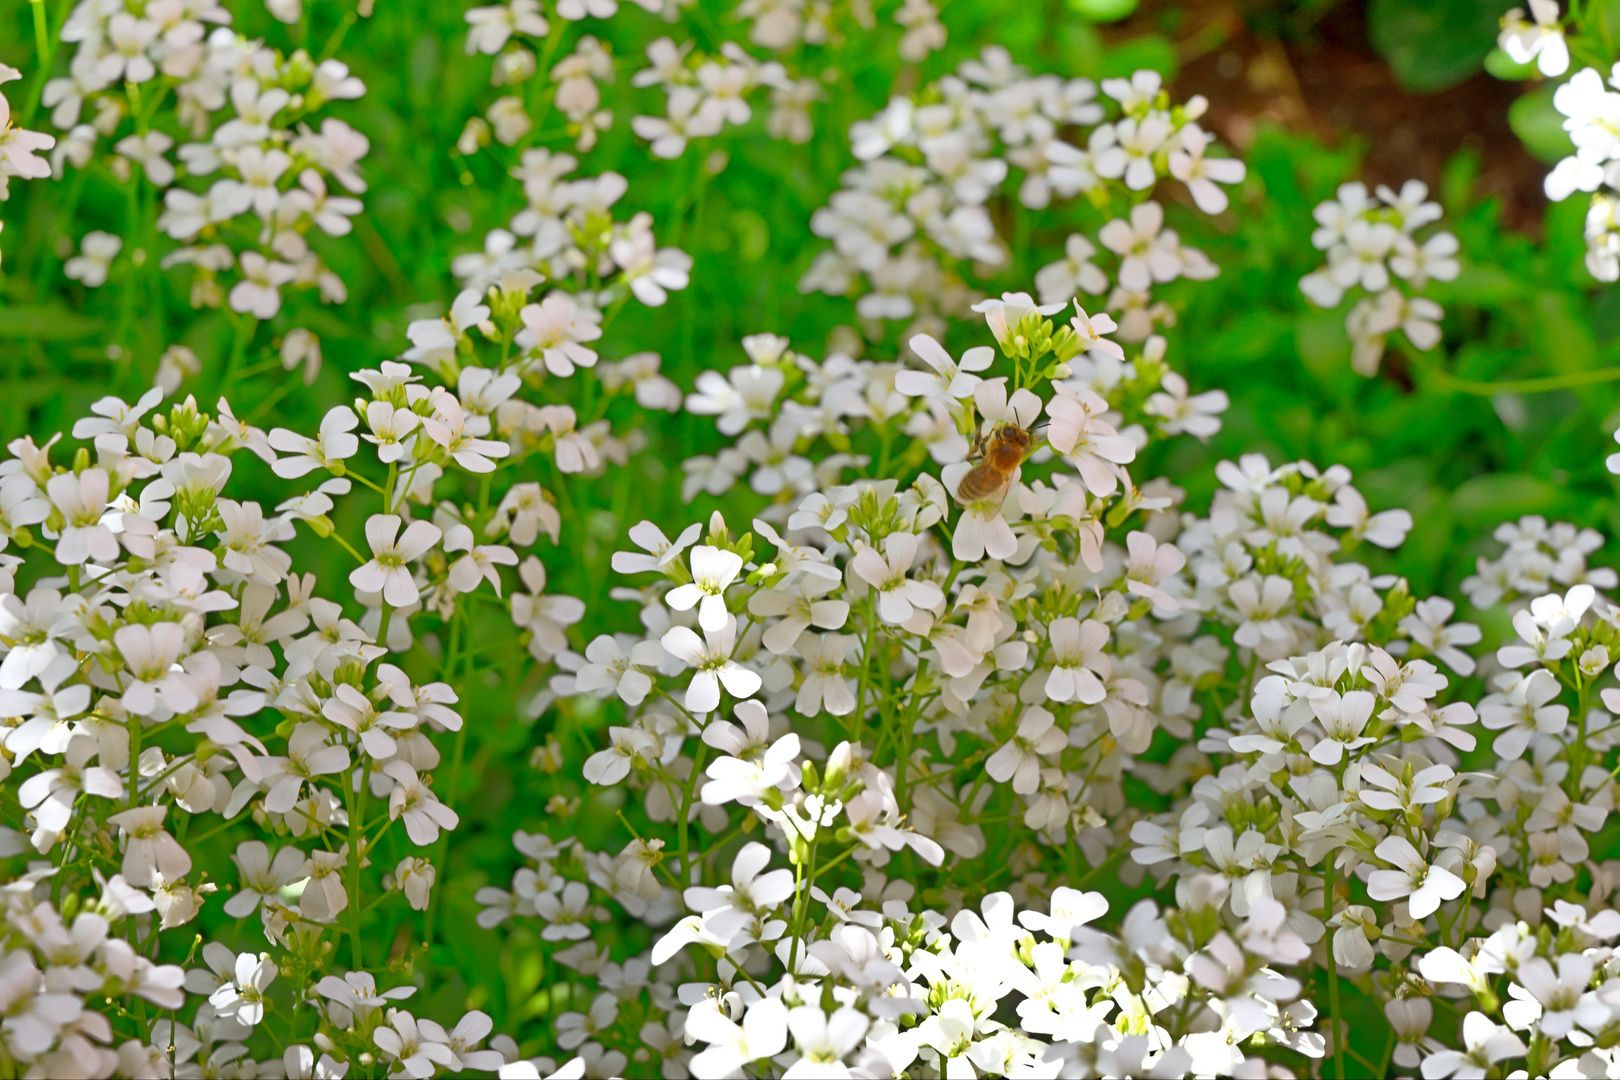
<point x="1425" y="886"/>
<point x="713" y="571"/>
<point x="710" y="656"/>
<point x="389" y="571"/>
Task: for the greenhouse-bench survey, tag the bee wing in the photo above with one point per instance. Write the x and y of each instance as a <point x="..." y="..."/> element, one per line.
<point x="1000" y="496"/>
<point x="992" y="502"/>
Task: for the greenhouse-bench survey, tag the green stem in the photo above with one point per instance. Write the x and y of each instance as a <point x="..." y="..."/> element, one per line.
<point x="244" y="325"/>
<point x="801" y="902"/>
<point x="441" y="857"/>
<point x="42" y="36"/>
<point x="357" y="836"/>
<point x="46" y="45"/>
<point x="685" y="823"/>
<point x="135" y="733"/>
<point x="1525" y="386"/>
<point x="359" y="558"/>
<point x="342" y="30"/>
<point x="1328" y="876"/>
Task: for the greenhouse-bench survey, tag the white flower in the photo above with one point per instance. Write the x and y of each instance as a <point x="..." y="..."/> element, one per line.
<point x="1019" y="759"/>
<point x="1146" y="254"/>
<point x="1201" y="174"/>
<point x="609" y="667"/>
<point x="1424" y="886"/>
<point x="150" y="654"/>
<point x="1196" y="415"/>
<point x="1529" y="708"/>
<point x="150" y="850"/>
<point x="389" y="570"/>
<point x="556" y="328"/>
<point x="453" y="429"/>
<point x="825" y="685"/>
<point x="414" y="877"/>
<point x="547" y="617"/>
<point x="1004" y="314"/>
<point x="565" y="912"/>
<point x="747" y="392"/>
<point x="754" y="764"/>
<point x="1058" y="282"/>
<point x="261" y="877"/>
<point x="651" y="272"/>
<point x="259" y="292"/>
<point x="1484" y="1045"/>
<point x="242" y="997"/>
<point x="491" y="27"/>
<point x="1435" y="258"/>
<point x="824" y="1041"/>
<point x="1151" y="563"/>
<point x="711" y="657"/>
<point x="899" y="596"/>
<point x="334" y="444"/>
<point x="1091" y="328"/>
<point x="762" y="1034"/>
<point x="797" y="607"/>
<point x="1344" y="718"/>
<point x="413" y="800"/>
<point x="479" y="562"/>
<point x="713" y="571"/>
<point x="1349" y="511"/>
<point x="1541" y="41"/>
<point x="18" y="146"/>
<point x="1078" y="665"/>
<point x="1562" y="998"/>
<point x="1126" y="149"/>
<point x="1359" y="260"/>
<point x="950" y="379"/>
<point x="82" y="502"/>
<point x="660" y="552"/>
<point x="402" y="1040"/>
<point x="96" y="255"/>
<point x="301" y="346"/>
<point x="635" y="870"/>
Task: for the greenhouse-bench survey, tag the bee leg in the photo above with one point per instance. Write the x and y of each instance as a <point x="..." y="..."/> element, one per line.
<point x="976" y="450"/>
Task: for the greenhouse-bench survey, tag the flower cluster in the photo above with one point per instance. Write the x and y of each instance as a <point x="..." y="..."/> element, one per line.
<point x="956" y="732"/>
<point x="911" y="222"/>
<point x="1586" y="101"/>
<point x="566" y="234"/>
<point x="1538" y="40"/>
<point x="703" y="93"/>
<point x="1374" y="253"/>
<point x="241" y="113"/>
<point x="164" y="664"/>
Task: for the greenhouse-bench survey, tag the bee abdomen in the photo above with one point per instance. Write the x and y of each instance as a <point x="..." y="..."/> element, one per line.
<point x="981" y="483"/>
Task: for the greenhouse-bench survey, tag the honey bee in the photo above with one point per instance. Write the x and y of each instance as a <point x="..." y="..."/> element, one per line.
<point x="999" y="456"/>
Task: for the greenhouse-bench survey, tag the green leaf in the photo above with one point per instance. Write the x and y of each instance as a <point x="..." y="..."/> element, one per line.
<point x="1149" y="51"/>
<point x="1562" y="335"/>
<point x="1601" y="24"/>
<point x="1323" y="345"/>
<point x="1540" y="126"/>
<point x="1434" y="44"/>
<point x="45" y="323"/>
<point x="1103" y="10"/>
<point x="1479" y="285"/>
<point x="1504" y="67"/>
<point x="1486" y="500"/>
<point x="1080" y="48"/>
